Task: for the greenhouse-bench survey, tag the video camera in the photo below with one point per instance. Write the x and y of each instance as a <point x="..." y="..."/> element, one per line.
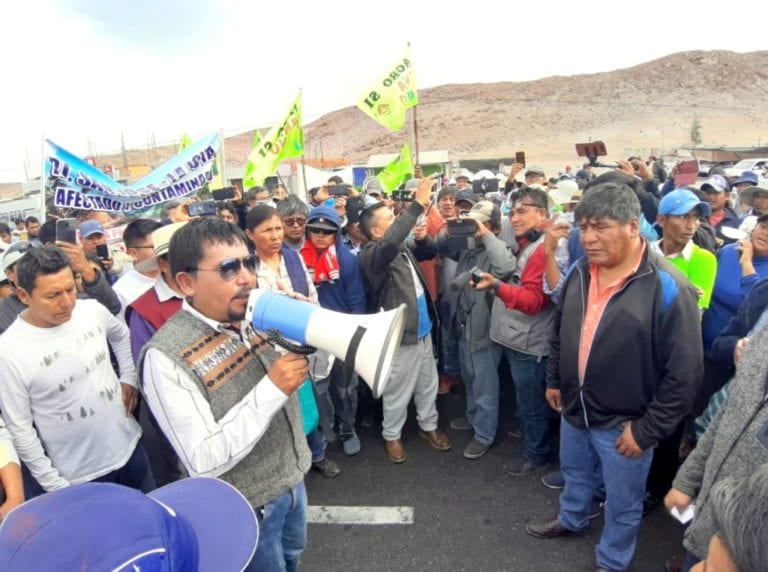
<point x="461" y="234"/>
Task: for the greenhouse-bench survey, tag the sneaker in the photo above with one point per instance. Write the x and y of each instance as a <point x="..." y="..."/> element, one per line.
<point x="351" y="445"/>
<point x="513" y="430"/>
<point x="326" y="467"/>
<point x="520" y="468"/>
<point x="597" y="508"/>
<point x="475" y="449"/>
<point x="554" y="480"/>
<point x="461" y="424"/>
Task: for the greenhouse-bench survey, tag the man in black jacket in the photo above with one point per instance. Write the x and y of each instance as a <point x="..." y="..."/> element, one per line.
<point x="392" y="276"/>
<point x="625" y="360"/>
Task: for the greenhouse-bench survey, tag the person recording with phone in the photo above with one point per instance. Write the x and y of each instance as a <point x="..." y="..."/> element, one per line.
<point x="520" y="322"/>
<point x="479" y="356"/>
<point x="94" y="241"/>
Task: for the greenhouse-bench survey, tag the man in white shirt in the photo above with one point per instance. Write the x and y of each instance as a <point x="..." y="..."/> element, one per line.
<point x="68" y="414"/>
<point x="230" y="411"/>
<point x="137" y="238"/>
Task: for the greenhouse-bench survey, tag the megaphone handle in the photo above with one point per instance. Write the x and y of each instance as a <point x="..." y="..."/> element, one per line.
<point x="349" y="357"/>
<point x="274" y="337"/>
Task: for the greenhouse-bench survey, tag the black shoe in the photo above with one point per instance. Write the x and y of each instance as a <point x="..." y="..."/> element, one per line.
<point x="550" y="528"/>
<point x="475" y="449"/>
<point x="649" y="502"/>
<point x="520" y="468"/>
<point x="326" y="467"/>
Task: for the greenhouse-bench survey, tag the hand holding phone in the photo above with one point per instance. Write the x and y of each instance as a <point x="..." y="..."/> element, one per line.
<point x="66" y="230"/>
<point x="102" y="251"/>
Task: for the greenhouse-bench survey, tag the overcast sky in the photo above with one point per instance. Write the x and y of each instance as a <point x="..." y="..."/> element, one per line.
<point x="80" y="72"/>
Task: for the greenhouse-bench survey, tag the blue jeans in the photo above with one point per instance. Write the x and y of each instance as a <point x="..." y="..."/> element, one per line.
<point x="529" y="376"/>
<point x="136" y="473"/>
<point x="624" y="479"/>
<point x="317" y="444"/>
<point x="479" y="371"/>
<point x="282" y="532"/>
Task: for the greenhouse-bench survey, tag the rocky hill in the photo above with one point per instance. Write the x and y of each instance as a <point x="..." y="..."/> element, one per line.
<point x="641" y="109"/>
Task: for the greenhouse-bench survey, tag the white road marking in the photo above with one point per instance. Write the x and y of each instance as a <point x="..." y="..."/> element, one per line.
<point x="360" y="515"/>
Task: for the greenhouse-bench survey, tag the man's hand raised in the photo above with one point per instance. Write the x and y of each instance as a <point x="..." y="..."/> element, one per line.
<point x="288" y="372"/>
<point x="423" y="191"/>
<point x="78" y="260"/>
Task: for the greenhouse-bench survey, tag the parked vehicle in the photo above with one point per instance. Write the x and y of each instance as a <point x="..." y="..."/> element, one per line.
<point x="756" y="165"/>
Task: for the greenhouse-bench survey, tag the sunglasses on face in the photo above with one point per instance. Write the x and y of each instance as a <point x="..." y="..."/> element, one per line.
<point x="323" y="231"/>
<point x="229" y="269"/>
<point x="295" y="221"/>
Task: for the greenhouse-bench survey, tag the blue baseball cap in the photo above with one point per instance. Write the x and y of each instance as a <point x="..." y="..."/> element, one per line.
<point x="199" y="523"/>
<point x="746" y="177"/>
<point x="681" y="202"/>
<point x="89" y="227"/>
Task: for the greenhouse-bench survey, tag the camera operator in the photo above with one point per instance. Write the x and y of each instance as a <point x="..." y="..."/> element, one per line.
<point x="478" y="355"/>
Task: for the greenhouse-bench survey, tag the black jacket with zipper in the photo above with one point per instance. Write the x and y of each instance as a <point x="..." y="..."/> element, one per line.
<point x="387" y="272"/>
<point x="646" y="359"/>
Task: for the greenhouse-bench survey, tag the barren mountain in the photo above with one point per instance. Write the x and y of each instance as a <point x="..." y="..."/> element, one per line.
<point x="641" y="109"/>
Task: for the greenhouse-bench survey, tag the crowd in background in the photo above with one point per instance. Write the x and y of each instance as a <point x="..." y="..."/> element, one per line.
<point x="627" y="311"/>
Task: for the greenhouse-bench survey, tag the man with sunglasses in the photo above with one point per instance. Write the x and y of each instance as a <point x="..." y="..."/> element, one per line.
<point x="230" y="411"/>
<point x="293" y="213"/>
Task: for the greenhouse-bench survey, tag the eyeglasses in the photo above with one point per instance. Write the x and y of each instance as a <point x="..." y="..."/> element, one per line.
<point x="324" y="231"/>
<point x="295" y="221"/>
<point x="229" y="269"/>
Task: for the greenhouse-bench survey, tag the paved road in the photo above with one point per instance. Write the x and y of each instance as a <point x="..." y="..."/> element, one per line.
<point x="468" y="515"/>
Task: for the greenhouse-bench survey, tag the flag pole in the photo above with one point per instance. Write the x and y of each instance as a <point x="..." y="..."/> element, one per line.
<point x="303" y="153"/>
<point x="416" y="136"/>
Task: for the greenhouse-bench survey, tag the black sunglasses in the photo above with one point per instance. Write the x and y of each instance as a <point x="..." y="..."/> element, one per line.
<point x="230" y="268"/>
<point x="293" y="221"/>
<point x="325" y="231"/>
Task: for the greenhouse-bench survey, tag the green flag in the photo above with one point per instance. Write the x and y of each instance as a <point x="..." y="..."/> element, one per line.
<point x="396" y="170"/>
<point x="392" y="95"/>
<point x="184" y="142"/>
<point x="284" y="140"/>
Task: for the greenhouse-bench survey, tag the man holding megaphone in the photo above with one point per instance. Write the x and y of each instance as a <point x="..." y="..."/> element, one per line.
<point x="390" y="266"/>
<point x="230" y="411"/>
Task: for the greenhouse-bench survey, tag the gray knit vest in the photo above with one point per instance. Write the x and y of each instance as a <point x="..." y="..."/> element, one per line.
<point x="225" y="372"/>
<point x="528" y="334"/>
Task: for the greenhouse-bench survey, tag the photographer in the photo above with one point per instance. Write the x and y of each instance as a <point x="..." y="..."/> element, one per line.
<point x="478" y="355"/>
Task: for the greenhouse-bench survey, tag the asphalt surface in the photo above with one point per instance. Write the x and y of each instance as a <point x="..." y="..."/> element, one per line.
<point x="468" y="515"/>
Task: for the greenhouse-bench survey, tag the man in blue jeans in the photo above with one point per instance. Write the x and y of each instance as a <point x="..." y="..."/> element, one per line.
<point x="520" y="322"/>
<point x="230" y="410"/>
<point x="625" y="358"/>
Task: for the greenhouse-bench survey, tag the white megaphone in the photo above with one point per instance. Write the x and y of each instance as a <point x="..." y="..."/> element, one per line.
<point x="366" y="342"/>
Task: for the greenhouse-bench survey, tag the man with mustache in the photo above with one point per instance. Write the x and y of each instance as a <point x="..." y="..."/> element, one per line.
<point x="229" y="411"/>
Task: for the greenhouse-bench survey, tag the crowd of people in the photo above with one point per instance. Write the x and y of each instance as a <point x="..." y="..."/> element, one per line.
<point x="627" y="312"/>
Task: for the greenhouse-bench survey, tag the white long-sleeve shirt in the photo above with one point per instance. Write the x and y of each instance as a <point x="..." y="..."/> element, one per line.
<point x="61" y="399"/>
<point x="205" y="446"/>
